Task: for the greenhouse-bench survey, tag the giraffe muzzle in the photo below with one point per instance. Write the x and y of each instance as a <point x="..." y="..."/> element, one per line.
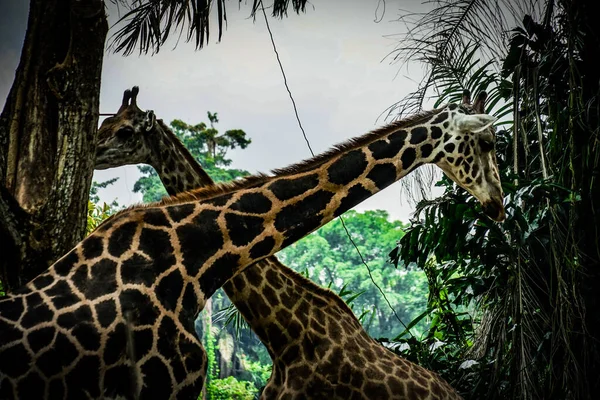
<point x="494" y="210"/>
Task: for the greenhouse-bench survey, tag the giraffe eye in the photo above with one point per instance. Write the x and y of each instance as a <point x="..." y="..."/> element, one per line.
<point x="125" y="132"/>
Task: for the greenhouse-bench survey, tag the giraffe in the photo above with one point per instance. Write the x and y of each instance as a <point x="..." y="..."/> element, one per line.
<point x="113" y="318"/>
<point x="133" y="136"/>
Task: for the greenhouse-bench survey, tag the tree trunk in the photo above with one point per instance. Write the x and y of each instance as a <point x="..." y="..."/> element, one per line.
<point x="48" y="136"/>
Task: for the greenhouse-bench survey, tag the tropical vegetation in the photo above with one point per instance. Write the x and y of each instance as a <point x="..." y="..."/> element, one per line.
<point x="512" y="305"/>
<point x="510" y="310"/>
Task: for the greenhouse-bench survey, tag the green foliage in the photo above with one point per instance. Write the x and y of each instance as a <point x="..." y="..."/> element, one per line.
<point x="209" y="342"/>
<point x="259" y="373"/>
<point x="96" y="212"/>
<point x="206" y="143"/>
<point x="331" y="260"/>
<point x="474" y="264"/>
<point x="206" y="146"/>
<point x="97" y="186"/>
<point x="230" y="389"/>
<point x="149" y="185"/>
<point x="229" y="316"/>
<point x="507" y="301"/>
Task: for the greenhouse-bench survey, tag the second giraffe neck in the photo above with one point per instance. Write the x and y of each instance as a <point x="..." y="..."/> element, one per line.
<point x="176" y="167"/>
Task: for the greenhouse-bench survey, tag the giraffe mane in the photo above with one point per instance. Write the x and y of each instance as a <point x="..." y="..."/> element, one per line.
<point x="207" y="192"/>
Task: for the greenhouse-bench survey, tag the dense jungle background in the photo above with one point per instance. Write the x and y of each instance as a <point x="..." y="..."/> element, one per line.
<point x="501" y="311"/>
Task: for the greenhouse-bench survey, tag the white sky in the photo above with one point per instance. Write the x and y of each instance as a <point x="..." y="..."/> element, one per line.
<point x="334" y="58"/>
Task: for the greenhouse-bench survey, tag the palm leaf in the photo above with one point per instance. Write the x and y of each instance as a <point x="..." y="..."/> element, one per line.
<point x="149" y="23"/>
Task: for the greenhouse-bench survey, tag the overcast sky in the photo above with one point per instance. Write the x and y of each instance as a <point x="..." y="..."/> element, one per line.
<point x="334" y="57"/>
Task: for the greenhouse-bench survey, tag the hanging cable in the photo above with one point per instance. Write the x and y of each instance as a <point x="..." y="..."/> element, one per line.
<point x="313" y="154"/>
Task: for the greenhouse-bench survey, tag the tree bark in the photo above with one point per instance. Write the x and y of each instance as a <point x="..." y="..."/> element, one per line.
<point x="48" y="136"/>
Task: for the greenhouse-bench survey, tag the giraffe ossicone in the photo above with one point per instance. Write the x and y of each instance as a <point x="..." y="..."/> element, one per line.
<point x="147" y="271"/>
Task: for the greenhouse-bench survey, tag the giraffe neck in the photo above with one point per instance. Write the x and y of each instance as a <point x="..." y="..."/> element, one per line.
<point x="176" y="167"/>
<point x="229" y="227"/>
<point x="266" y="292"/>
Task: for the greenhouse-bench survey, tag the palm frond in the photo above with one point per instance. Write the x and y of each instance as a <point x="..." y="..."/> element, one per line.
<point x="443" y="35"/>
<point x="149" y="23"/>
<point x="231" y="316"/>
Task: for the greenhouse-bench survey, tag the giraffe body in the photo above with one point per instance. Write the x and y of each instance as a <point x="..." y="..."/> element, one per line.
<point x="146" y="272"/>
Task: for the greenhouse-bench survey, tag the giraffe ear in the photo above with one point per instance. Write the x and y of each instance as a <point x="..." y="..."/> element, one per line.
<point x="475" y="122"/>
<point x="150" y="121"/>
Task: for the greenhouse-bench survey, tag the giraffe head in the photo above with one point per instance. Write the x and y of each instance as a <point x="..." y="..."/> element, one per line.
<point x="122" y="138"/>
<point x="468" y="156"/>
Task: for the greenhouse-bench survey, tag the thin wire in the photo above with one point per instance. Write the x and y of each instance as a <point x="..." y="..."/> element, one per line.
<point x="285" y="79"/>
<point x="371" y="276"/>
<point x="313" y="154"/>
